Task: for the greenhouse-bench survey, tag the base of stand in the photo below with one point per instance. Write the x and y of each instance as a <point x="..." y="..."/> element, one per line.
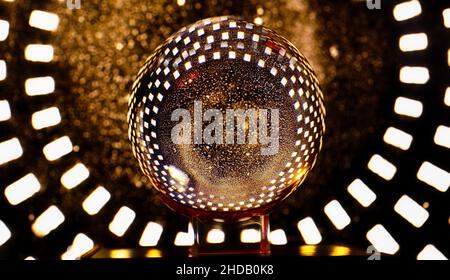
<point x="184" y="251"/>
<point x="237" y="233"/>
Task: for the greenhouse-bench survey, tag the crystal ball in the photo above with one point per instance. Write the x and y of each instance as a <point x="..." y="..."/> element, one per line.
<point x="226" y="118"/>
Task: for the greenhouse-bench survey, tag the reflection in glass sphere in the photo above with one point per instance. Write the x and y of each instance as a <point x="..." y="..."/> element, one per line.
<point x="226" y="118"/>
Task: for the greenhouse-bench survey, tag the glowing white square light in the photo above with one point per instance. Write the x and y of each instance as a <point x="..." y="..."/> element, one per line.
<point x="361" y="192"/>
<point x="407" y="10"/>
<point x="96" y="200"/>
<point x="278" y="237"/>
<point x="4" y="29"/>
<point x="185" y="238"/>
<point x="411" y="211"/>
<point x="122" y="221"/>
<point x="413" y="42"/>
<point x="434" y="176"/>
<point x="58" y="148"/>
<point x="188" y="65"/>
<point x="45" y="118"/>
<point x="447" y="97"/>
<point x="22" y="189"/>
<point x="225" y="36"/>
<point x="200" y="32"/>
<point x="48" y="221"/>
<point x="430" y="252"/>
<point x="39" y="86"/>
<point x="448" y="57"/>
<point x="5" y="111"/>
<point x="151" y="234"/>
<point x="398" y="138"/>
<point x="44" y="20"/>
<point x="414" y="75"/>
<point x="309" y="231"/>
<point x="382" y="240"/>
<point x="446" y="16"/>
<point x="80" y="246"/>
<point x="261" y="63"/>
<point x="2" y="70"/>
<point x="74" y="176"/>
<point x="383" y="168"/>
<point x="250" y="235"/>
<point x="337" y="215"/>
<point x="408" y="107"/>
<point x="215" y="236"/>
<point x="5" y="233"/>
<point x="442" y="136"/>
<point x="39" y="53"/>
<point x="10" y="150"/>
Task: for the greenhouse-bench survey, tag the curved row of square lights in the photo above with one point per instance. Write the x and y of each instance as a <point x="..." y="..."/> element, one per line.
<point x="428" y="173"/>
<point x="378" y="235"/>
<point x="11" y="149"/>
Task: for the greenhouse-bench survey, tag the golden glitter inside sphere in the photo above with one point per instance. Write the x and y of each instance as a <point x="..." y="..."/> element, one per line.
<point x="226" y="118"/>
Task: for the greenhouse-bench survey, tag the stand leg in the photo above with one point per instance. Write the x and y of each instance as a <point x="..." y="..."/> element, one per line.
<point x="265" y="231"/>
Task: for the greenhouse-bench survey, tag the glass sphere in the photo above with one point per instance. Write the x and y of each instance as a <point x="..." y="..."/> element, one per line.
<point x="226" y="118"/>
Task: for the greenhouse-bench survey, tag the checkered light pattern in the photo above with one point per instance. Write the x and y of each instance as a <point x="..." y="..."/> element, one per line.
<point x="225" y="38"/>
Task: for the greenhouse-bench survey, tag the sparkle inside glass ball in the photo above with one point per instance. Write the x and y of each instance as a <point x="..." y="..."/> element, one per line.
<point x="178" y="117"/>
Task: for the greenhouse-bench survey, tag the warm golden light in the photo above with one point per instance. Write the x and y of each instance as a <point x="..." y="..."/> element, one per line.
<point x="151" y="234"/>
<point x="382" y="240"/>
<point x="122" y="221"/>
<point x="407" y="10"/>
<point x="154" y="253"/>
<point x="44" y="20"/>
<point x="215" y="236"/>
<point x="120" y="254"/>
<point x="22" y="189"/>
<point x="96" y="200"/>
<point x="74" y="176"/>
<point x="408" y="107"/>
<point x="48" y="221"/>
<point x="307" y="250"/>
<point x="309" y="231"/>
<point x="339" y="251"/>
<point x="10" y="150"/>
<point x="382" y="167"/>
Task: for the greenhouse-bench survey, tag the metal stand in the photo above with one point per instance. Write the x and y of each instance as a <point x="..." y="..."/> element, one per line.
<point x="213" y="237"/>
